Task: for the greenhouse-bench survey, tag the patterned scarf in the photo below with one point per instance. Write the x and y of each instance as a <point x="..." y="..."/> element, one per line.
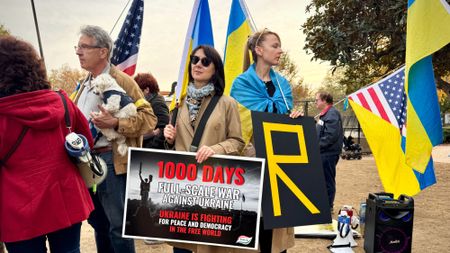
<point x="195" y="97"/>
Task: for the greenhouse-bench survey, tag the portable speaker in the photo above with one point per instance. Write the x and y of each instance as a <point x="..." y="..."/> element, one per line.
<point x="389" y="223"/>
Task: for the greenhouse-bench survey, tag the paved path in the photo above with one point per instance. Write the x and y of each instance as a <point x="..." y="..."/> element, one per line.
<point x="441" y="153"/>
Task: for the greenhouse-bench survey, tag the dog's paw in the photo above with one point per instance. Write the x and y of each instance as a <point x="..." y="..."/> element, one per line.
<point x="122" y="149"/>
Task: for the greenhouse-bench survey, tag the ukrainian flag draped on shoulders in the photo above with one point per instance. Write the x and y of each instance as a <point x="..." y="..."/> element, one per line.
<point x="250" y="91"/>
<point x="240" y="28"/>
<point x="199" y="33"/>
<point x="428" y="30"/>
<point x="251" y="94"/>
<point x="381" y="112"/>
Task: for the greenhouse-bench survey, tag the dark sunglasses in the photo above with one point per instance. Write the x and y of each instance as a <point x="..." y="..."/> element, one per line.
<point x="204" y="61"/>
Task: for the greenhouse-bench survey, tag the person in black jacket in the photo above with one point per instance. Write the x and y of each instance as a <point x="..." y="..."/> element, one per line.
<point x="331" y="137"/>
<point x="150" y="88"/>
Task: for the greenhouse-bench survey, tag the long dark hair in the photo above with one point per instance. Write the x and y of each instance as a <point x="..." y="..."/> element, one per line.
<point x="21" y="69"/>
<point x="218" y="78"/>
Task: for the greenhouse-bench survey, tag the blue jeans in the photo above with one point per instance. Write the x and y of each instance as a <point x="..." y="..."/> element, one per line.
<point x="107" y="218"/>
<point x="329" y="168"/>
<point x="66" y="240"/>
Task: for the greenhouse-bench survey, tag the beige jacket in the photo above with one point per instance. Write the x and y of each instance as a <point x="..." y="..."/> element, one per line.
<point x="282" y="239"/>
<point x="222" y="131"/>
<point x="134" y="127"/>
<point x="223" y="134"/>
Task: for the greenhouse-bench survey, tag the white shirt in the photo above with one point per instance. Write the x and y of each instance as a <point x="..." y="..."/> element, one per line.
<point x="88" y="102"/>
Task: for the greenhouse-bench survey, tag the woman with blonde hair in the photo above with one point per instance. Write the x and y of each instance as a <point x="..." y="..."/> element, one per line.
<point x="260" y="88"/>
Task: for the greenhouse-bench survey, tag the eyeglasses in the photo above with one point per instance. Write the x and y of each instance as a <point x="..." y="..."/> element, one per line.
<point x="85" y="47"/>
<point x="205" y="61"/>
<point x="259" y="36"/>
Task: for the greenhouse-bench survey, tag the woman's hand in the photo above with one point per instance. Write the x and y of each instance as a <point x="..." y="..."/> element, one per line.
<point x="170" y="133"/>
<point x="204" y="153"/>
<point x="296" y="114"/>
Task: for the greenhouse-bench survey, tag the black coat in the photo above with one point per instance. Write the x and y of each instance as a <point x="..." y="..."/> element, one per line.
<point x="161" y="111"/>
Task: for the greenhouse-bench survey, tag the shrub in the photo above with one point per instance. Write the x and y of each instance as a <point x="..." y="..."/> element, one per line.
<point x="446" y="134"/>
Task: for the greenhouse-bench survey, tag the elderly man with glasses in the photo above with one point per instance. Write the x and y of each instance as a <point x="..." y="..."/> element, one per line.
<point x="94" y="52"/>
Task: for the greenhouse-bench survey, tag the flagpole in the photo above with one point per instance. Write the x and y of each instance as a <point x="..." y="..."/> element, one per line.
<point x="247" y="12"/>
<point x="114" y="26"/>
<point x="382" y="77"/>
<point x="379" y="79"/>
<point x="37" y="32"/>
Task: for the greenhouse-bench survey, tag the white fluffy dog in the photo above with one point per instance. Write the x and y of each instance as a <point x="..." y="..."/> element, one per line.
<point x="116" y="102"/>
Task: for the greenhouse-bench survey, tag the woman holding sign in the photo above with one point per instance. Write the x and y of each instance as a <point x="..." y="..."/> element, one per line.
<point x="222" y="130"/>
<point x="206" y="122"/>
<point x="260" y="88"/>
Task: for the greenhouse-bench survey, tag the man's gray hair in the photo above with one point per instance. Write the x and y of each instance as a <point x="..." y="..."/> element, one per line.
<point x="101" y="36"/>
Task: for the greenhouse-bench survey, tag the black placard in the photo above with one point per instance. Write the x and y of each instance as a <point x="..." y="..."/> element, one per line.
<point x="294" y="190"/>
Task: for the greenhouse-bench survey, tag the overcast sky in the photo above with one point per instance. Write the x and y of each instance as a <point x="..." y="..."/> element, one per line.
<point x="164" y="30"/>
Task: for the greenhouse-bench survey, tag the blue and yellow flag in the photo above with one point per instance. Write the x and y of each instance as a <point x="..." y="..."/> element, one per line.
<point x="239" y="29"/>
<point x="381" y="112"/>
<point x="428" y="30"/>
<point x="199" y="33"/>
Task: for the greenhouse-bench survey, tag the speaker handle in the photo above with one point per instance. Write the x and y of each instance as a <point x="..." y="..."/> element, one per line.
<point x="406" y="199"/>
<point x="374" y="196"/>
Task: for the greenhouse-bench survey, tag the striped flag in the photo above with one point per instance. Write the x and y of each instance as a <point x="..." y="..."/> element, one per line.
<point x="199" y="33"/>
<point x="239" y="29"/>
<point x="381" y="112"/>
<point x="126" y="47"/>
<point x="427" y="31"/>
<point x="386" y="98"/>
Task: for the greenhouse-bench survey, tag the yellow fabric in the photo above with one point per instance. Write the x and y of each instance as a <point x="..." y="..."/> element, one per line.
<point x="234" y="58"/>
<point x="141" y="102"/>
<point x="384" y="140"/>
<point x="246" y="123"/>
<point x="185" y="82"/>
<point x="428" y="30"/>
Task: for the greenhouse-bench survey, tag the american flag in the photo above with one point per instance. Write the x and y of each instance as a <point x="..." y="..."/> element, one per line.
<point x="126" y="47"/>
<point x="386" y="99"/>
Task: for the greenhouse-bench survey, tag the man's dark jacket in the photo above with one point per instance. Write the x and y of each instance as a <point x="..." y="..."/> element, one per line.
<point x="330" y="132"/>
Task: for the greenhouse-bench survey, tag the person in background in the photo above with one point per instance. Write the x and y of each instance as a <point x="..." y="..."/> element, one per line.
<point x="150" y="88"/>
<point x="155" y="139"/>
<point x="331" y="137"/>
<point x="172" y="89"/>
<point x="222" y="132"/>
<point x="94" y="53"/>
<point x="260" y="88"/>
<point x="43" y="196"/>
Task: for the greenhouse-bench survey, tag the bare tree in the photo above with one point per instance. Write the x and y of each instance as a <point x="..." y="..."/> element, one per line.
<point x="289" y="70"/>
<point x="3" y="30"/>
<point x="66" y="78"/>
